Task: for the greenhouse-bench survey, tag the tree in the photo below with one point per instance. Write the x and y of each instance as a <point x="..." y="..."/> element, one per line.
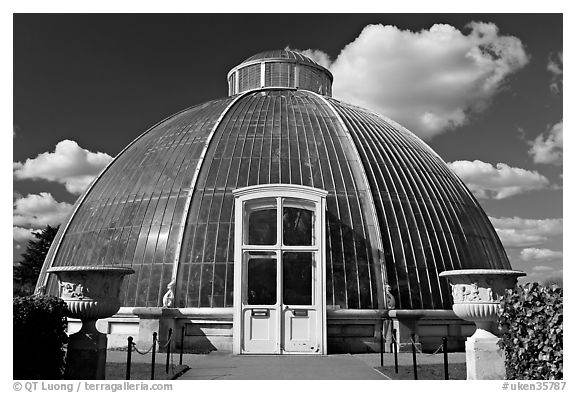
<point x="27" y="270"/>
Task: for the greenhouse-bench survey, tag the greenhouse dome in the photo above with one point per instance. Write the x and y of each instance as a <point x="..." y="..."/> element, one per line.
<point x="278" y="220"/>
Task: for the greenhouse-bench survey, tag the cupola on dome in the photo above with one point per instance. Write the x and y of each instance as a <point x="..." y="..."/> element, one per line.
<point x="280" y="68"/>
<point x="275" y="198"/>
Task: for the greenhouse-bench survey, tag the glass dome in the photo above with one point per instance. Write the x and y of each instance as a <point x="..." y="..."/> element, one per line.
<point x="395" y="213"/>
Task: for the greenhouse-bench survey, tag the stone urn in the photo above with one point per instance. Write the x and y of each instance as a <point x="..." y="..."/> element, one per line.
<point x="91" y="293"/>
<point x="476" y="294"/>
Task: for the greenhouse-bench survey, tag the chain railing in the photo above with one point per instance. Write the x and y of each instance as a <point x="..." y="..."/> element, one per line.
<point x="182" y="334"/>
<point x="169" y="355"/>
<point x="415" y="349"/>
<point x="426" y="354"/>
<point x="414" y="364"/>
<point x="146" y="352"/>
<point x="167" y="346"/>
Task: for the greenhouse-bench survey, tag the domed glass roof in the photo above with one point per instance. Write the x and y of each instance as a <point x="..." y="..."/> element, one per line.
<point x="396" y="214"/>
<point x="281" y="54"/>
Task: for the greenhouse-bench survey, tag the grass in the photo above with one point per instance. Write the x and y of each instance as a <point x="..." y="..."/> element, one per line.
<point x="141" y="371"/>
<point x="456" y="371"/>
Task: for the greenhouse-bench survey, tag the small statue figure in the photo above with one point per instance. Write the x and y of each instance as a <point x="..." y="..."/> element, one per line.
<point x="168" y="299"/>
<point x="390" y="301"/>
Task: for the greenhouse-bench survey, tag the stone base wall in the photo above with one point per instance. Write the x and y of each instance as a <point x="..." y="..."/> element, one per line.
<point x="118" y="328"/>
<point x="349" y="331"/>
<point x="456" y="331"/>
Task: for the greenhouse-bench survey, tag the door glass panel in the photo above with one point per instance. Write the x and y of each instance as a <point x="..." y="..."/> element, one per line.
<point x="297" y="278"/>
<point x="261" y="268"/>
<point x="262" y="226"/>
<point x="298" y="226"/>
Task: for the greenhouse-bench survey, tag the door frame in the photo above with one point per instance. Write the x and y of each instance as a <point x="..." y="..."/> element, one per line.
<point x="267" y="191"/>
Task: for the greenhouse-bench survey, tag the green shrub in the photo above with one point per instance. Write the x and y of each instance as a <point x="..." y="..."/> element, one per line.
<point x="39" y="337"/>
<point x="530" y="319"/>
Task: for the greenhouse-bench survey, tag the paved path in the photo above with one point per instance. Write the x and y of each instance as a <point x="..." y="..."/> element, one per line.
<point x="218" y="366"/>
<point x="332" y="367"/>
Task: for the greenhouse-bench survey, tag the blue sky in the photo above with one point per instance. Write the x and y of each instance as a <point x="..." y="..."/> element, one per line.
<point x="484" y="90"/>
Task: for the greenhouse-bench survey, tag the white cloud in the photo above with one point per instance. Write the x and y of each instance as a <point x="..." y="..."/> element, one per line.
<point x="542" y="269"/>
<point x="515" y="238"/>
<point x="547" y="149"/>
<point x="497" y="182"/>
<point x="516" y="232"/>
<point x="39" y="210"/>
<point x="22" y="234"/>
<point x="430" y="81"/>
<point x="556" y="67"/>
<point x="540" y="255"/>
<point x="69" y="164"/>
<point x="318" y="56"/>
<point x="556" y="64"/>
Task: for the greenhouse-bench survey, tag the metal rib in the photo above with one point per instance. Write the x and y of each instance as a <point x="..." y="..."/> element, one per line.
<point x="367" y="150"/>
<point x="191" y="191"/>
<point x="401" y="214"/>
<point x="372" y="208"/>
<point x="418" y="188"/>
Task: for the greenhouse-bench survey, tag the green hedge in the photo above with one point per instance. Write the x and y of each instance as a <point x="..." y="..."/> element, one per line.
<point x="39" y="337"/>
<point x="530" y="319"/>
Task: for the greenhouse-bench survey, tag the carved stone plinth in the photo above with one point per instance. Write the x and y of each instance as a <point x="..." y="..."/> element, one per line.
<point x="91" y="293"/>
<point x="476" y="293"/>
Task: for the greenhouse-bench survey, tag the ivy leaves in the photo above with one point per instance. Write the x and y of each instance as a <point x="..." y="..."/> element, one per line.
<point x="531" y="322"/>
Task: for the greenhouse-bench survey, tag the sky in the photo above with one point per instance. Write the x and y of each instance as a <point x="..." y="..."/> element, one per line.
<point x="485" y="91"/>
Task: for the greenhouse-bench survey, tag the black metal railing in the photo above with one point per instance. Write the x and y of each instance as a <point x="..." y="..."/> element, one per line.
<point x="167" y="345"/>
<point x="414" y="348"/>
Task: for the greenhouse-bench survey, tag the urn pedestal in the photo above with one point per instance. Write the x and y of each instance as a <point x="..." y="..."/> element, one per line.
<point x="476" y="293"/>
<point x="91" y="293"/>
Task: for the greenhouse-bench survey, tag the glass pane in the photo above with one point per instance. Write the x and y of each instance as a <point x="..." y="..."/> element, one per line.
<point x="297" y="278"/>
<point x="262" y="226"/>
<point x="261" y="278"/>
<point x="298" y="225"/>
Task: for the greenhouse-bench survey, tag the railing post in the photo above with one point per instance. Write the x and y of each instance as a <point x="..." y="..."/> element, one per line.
<point x="168" y="350"/>
<point x="154" y="339"/>
<point x="445" y="350"/>
<point x="414" y="357"/>
<point x="129" y="357"/>
<point x="182" y="343"/>
<point x="382" y="344"/>
<point x="395" y="351"/>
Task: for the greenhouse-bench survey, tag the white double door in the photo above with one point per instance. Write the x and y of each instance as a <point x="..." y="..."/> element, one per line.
<point x="279" y="286"/>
